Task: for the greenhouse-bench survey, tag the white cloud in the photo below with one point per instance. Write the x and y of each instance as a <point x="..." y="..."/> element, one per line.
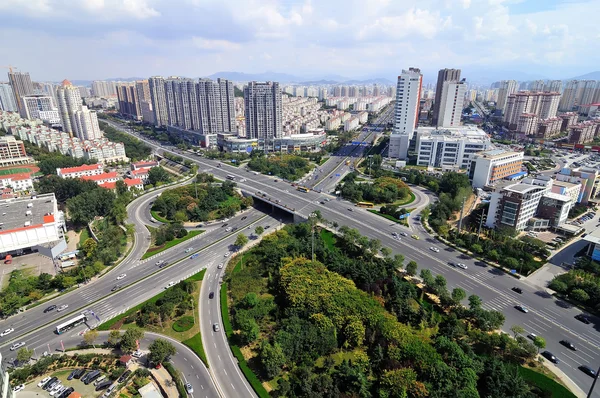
<point x="210" y="44"/>
<point x="139" y="9"/>
<point x="34" y="7"/>
<point x="413" y="21"/>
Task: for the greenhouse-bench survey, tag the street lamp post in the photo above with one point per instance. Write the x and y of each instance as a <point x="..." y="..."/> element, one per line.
<point x="312" y="228"/>
<point x="593" y="384"/>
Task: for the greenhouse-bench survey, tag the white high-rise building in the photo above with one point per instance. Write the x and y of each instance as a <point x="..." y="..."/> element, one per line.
<point x="586" y="92"/>
<point x="7" y="98"/>
<point x="406" y="113"/>
<point x="159" y="100"/>
<point x="104" y="89"/>
<point x="507" y="87"/>
<point x="553" y="86"/>
<point x="543" y="105"/>
<point x="87" y="124"/>
<point x="451" y="105"/>
<point x="263" y="110"/>
<point x="39" y="106"/>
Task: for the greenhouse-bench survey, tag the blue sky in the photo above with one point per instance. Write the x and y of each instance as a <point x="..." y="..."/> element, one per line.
<point x="96" y="39"/>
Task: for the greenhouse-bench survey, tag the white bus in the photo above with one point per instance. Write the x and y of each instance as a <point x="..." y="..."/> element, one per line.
<point x="68" y="325"/>
<point x="230" y="177"/>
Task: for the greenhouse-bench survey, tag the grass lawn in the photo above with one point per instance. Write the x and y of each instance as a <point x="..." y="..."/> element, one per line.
<point x="328" y="238"/>
<point x="405" y="201"/>
<point x="83" y="236"/>
<point x="158" y="217"/>
<point x="322" y="162"/>
<point x="154" y="250"/>
<point x="545" y="383"/>
<point x="195" y="343"/>
<point x="391" y="218"/>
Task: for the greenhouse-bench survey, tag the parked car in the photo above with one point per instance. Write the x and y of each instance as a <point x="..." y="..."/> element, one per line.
<point x="103" y="385"/>
<point x="549" y="356"/>
<point x="46" y="380"/>
<point x="583" y="318"/>
<point x="18" y="388"/>
<point x="124" y="376"/>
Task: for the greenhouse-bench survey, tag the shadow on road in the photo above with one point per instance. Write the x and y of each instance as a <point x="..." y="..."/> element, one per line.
<point x="496" y="271"/>
<point x="543" y="294"/>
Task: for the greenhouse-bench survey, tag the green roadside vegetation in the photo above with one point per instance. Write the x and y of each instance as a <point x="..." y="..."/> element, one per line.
<point x="135" y="149"/>
<point x="353" y="314"/>
<point x="392" y="213"/>
<point x="84" y="235"/>
<point x="169" y="243"/>
<point x="158" y="217"/>
<point x="543" y="385"/>
<point x="173" y="312"/>
<point x="202" y="201"/>
<point x="381" y="190"/>
<point x="581" y="285"/>
<point x="287" y="166"/>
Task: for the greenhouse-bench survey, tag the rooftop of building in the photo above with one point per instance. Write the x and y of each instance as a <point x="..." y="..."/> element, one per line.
<point x="16" y="176"/>
<point x="14" y="211"/>
<point x="80" y="169"/>
<point x="565" y="184"/>
<point x="100" y="177"/>
<point x="558" y="197"/>
<point x="522" y="188"/>
<point x="593" y="237"/>
<point x="496" y="153"/>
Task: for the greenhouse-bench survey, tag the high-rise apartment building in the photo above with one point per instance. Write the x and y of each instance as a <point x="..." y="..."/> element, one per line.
<point x="443" y="76"/>
<point x="156" y="85"/>
<point x="76" y="119"/>
<point x="104" y="89"/>
<point x="406" y="112"/>
<point x="507" y="87"/>
<point x="143" y="90"/>
<point x="553" y="86"/>
<point x="40" y="106"/>
<point x="451" y="104"/>
<point x="7" y="98"/>
<point x="129" y="104"/>
<point x="586" y="92"/>
<point x="537" y="86"/>
<point x="21" y="86"/>
<point x="543" y="105"/>
<point x="263" y="110"/>
<point x="217" y="105"/>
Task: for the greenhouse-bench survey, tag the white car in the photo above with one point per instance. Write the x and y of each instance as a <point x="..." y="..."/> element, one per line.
<point x="226" y="254"/>
<point x="44" y="381"/>
<point x="228" y="229"/>
<point x="171" y="284"/>
<point x="434" y="249"/>
<point x="58" y="391"/>
<point x="403" y="234"/>
<point x="7" y="331"/>
<point x="220" y="266"/>
<point x="18" y="388"/>
<point x="189" y="388"/>
<point x="137" y="354"/>
<point x="62" y="307"/>
<point x="461" y="265"/>
<point x="121" y="276"/>
<point x="17" y="345"/>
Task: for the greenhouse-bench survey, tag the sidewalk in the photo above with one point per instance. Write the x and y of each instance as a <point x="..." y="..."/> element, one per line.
<point x="163" y="378"/>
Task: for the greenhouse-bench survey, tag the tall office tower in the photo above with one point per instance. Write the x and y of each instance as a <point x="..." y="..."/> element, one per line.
<point x="159" y="100"/>
<point x="216" y="102"/>
<point x="376" y="91"/>
<point x="69" y="102"/>
<point x="586" y="92"/>
<point x="443" y="76"/>
<point x="569" y="96"/>
<point x="39" y="106"/>
<point x="451" y="103"/>
<point x="104" y="89"/>
<point x="7" y="98"/>
<point x="537" y="86"/>
<point x="86" y="122"/>
<point x="129" y="104"/>
<point x="353" y="91"/>
<point x="262" y="103"/>
<point x="406" y="112"/>
<point x="553" y="86"/>
<point x="21" y="86"/>
<point x="507" y="87"/>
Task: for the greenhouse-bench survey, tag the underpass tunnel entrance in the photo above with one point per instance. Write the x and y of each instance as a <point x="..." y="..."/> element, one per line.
<point x="274" y="209"/>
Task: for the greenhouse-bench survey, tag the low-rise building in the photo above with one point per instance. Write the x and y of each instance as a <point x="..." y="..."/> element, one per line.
<point x="19" y="182"/>
<point x="86" y="170"/>
<point x="144" y="165"/>
<point x="130" y="183"/>
<point x="12" y="151"/>
<point x="569" y="189"/>
<point x="586" y="177"/>
<point x="487" y="168"/>
<point x="103" y="178"/>
<point x="142" y="174"/>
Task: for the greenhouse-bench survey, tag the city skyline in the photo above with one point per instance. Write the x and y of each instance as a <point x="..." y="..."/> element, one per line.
<point x="530" y="39"/>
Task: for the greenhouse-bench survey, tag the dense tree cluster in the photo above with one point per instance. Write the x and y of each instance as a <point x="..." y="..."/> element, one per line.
<point x="134" y="148"/>
<point x="176" y="301"/>
<point x="286" y="166"/>
<point x="168" y="232"/>
<point x="381" y="190"/>
<point x="581" y="284"/>
<point x="158" y="175"/>
<point x="201" y="201"/>
<point x="302" y="317"/>
<point x="48" y="161"/>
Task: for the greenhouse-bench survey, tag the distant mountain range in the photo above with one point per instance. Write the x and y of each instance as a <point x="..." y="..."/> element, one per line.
<point x="587" y="76"/>
<point x="287" y="78"/>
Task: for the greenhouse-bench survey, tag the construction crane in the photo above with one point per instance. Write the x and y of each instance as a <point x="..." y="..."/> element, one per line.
<point x="10" y="68"/>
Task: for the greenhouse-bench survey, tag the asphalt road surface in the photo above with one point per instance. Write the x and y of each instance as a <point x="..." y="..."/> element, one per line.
<point x="548" y="317"/>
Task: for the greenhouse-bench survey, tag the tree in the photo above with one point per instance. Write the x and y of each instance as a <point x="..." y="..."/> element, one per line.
<point x="121" y="187"/>
<point x="411" y="268"/>
<point x="130" y="338"/>
<point x="427" y="278"/>
<point x="114" y="336"/>
<point x="90" y="336"/>
<point x="272" y="358"/>
<point x="24" y="354"/>
<point x="89" y="247"/>
<point x="249" y="330"/>
<point x="161" y="350"/>
<point x="539" y="342"/>
<point x="458" y="295"/>
<point x="386" y="251"/>
<point x="241" y="240"/>
<point x="157" y="175"/>
<point x="259" y="230"/>
<point x="579" y="295"/>
<point x="517" y="329"/>
<point x="474" y="302"/>
<point x="476" y="248"/>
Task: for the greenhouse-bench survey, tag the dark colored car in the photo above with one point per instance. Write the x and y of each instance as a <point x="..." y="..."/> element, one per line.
<point x="583" y="318"/>
<point x="243" y="218"/>
<point x="587" y="370"/>
<point x="72" y="375"/>
<point x="522" y="308"/>
<point x="568" y="344"/>
<point x="51" y="384"/>
<point x="124" y="376"/>
<point x="224" y="225"/>
<point x="517" y="290"/>
<point x="549" y="356"/>
<point x="211" y="295"/>
<point x="103" y="385"/>
<point x="51" y="381"/>
<point x="115" y="288"/>
<point x="66" y="393"/>
<point x="79" y="373"/>
<point x="51" y="308"/>
<point x="92" y="377"/>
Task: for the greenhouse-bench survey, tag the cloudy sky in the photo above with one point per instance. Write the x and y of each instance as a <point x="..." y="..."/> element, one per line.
<point x="96" y="39"/>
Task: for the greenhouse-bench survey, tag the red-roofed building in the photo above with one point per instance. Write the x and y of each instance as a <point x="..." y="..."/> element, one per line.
<point x="85" y="170"/>
<point x="103" y="178"/>
<point x="139" y="173"/>
<point x="143" y="165"/>
<point x="18" y="182"/>
<point x="129" y="182"/>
